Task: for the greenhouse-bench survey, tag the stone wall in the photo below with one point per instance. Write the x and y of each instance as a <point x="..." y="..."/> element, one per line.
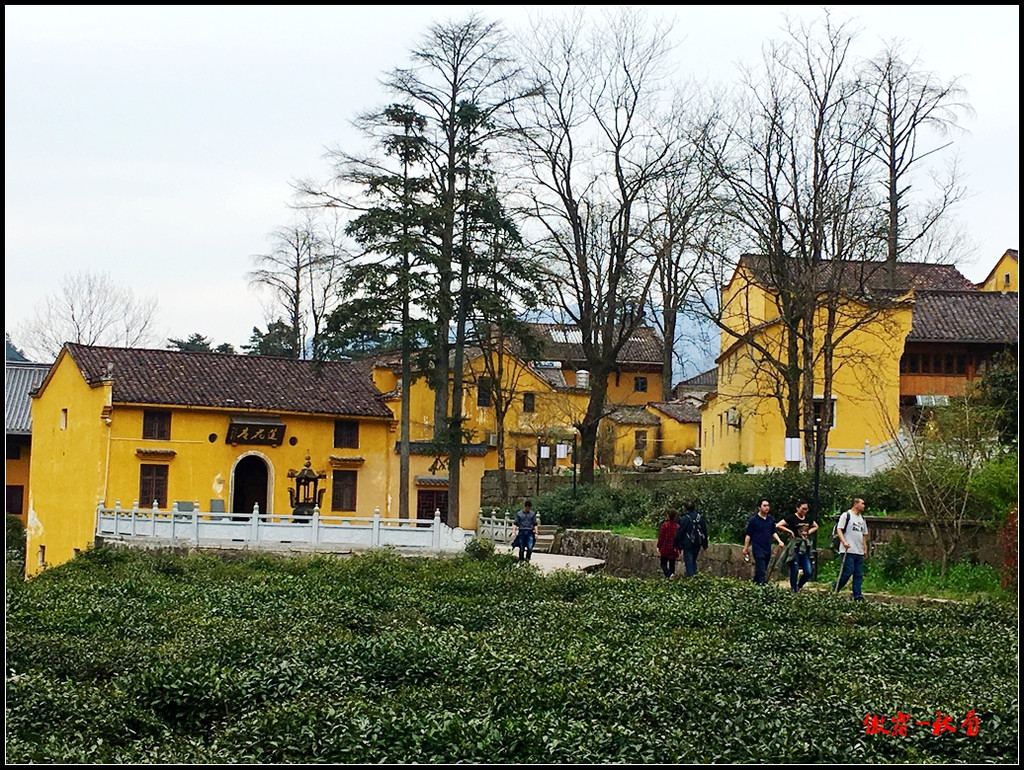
<point x="635" y="557"/>
<point x="977" y="543"/>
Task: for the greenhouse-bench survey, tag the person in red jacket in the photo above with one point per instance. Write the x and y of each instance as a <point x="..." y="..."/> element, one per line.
<point x="667" y="533"/>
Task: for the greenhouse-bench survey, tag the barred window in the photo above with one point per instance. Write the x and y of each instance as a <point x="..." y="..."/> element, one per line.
<point x="346" y="434"/>
<point x="156" y="424"/>
<point x="343" y="491"/>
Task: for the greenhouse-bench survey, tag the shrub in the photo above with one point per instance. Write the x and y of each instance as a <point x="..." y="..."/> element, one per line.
<point x="737" y="467"/>
<point x="480" y="548"/>
<point x="14" y="558"/>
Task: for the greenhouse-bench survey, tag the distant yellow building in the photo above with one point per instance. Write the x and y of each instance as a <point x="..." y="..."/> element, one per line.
<point x="1005" y="276"/>
<point x="897" y="349"/>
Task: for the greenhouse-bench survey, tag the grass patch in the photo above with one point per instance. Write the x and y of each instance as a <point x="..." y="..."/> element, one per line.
<point x="963" y="581"/>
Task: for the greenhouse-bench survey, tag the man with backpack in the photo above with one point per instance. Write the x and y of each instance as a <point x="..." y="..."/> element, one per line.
<point x="852" y="531"/>
<point x="692" y="537"/>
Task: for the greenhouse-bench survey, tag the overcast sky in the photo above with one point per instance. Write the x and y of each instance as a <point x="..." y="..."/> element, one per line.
<point x="160" y="143"/>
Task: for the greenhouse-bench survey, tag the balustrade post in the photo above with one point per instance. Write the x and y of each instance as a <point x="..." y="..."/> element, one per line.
<point x="436" y="535"/>
<point x="867" y="458"/>
<point x="117" y="508"/>
<point x="195" y="523"/>
<point x="174" y="517"/>
<point x="314" y="532"/>
<point x="375" y="528"/>
<point x="254" y="530"/>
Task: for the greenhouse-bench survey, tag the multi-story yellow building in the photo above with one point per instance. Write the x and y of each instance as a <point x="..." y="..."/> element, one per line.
<point x="898" y="348"/>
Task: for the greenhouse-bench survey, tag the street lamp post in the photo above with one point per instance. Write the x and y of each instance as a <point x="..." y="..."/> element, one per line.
<point x="817" y="492"/>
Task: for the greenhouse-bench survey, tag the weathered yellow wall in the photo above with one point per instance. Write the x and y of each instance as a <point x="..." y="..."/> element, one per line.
<point x="676" y="436"/>
<point x="865" y="386"/>
<point x="997" y="279"/>
<point x="67" y="467"/>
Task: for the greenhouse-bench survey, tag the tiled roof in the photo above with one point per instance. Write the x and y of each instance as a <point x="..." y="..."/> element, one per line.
<point x="680" y="411"/>
<point x="176" y="378"/>
<point x="872" y="277"/>
<point x="563" y="343"/>
<point x="969" y="316"/>
<point x="21" y="378"/>
<point x="708" y="379"/>
<point x="633" y="415"/>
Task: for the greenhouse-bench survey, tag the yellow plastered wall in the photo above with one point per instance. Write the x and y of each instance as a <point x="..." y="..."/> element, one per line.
<point x="1005" y="276"/>
<point x="625" y="440"/>
<point x="68" y="461"/>
<point x="676" y="436"/>
<point x="865" y="389"/>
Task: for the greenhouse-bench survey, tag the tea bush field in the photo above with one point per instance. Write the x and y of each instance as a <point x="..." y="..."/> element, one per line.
<point x="123" y="657"/>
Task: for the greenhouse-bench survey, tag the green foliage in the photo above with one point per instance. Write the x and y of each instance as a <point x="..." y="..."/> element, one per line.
<point x="480" y="548"/>
<point x="998" y="391"/>
<point x="895" y="558"/>
<point x="197" y="343"/>
<point x="996" y="485"/>
<point x="727" y="500"/>
<point x="123" y="658"/>
<point x="14" y="559"/>
<point x="13" y="353"/>
<point x="737" y="467"/>
<point x="904" y="574"/>
<point x="279" y="341"/>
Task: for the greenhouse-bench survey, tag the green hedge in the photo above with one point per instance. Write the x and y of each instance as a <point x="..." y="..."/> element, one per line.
<point x="726" y="499"/>
<point x="124" y="658"/>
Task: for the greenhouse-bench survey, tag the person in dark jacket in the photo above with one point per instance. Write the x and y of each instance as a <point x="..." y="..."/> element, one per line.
<point x="692" y="537"/>
<point x="666" y="538"/>
<point x="758" y="537"/>
<point x="524" y="531"/>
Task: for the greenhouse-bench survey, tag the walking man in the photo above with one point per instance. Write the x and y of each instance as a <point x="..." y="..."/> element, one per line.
<point x="799" y="527"/>
<point x="692" y="537"/>
<point x="853" y="545"/>
<point x="758" y="537"/>
<point x="523" y="531"/>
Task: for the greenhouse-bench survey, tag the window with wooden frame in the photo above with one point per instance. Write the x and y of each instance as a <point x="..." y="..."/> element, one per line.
<point x="346" y="434"/>
<point x="153" y="485"/>
<point x="639" y="384"/>
<point x="156" y="424"/>
<point x="343" y="491"/>
<point x="529" y="402"/>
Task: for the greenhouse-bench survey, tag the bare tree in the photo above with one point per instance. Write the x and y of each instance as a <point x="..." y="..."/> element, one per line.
<point x="685" y="234"/>
<point x="797" y="169"/>
<point x="906" y="108"/>
<point x="89" y="308"/>
<point x="300" y="273"/>
<point x="594" y="144"/>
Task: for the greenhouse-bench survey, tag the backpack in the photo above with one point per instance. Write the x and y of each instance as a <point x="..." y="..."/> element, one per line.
<point x="836" y="542"/>
<point x="694" y="538"/>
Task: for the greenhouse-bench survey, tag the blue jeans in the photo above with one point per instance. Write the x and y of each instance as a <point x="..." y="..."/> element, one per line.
<point x="524" y="542"/>
<point x="801" y="561"/>
<point x="761" y="568"/>
<point x="853" y="564"/>
<point x="690" y="560"/>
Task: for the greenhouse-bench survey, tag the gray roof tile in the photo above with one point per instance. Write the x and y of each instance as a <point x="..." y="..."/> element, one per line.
<point x="176" y="378"/>
<point x="20" y="379"/>
<point x="969" y="316"/>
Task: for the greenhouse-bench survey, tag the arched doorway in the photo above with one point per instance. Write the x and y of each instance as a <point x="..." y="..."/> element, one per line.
<point x="250" y="485"/>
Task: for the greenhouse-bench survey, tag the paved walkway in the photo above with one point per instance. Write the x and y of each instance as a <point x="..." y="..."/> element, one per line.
<point x="551" y="562"/>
